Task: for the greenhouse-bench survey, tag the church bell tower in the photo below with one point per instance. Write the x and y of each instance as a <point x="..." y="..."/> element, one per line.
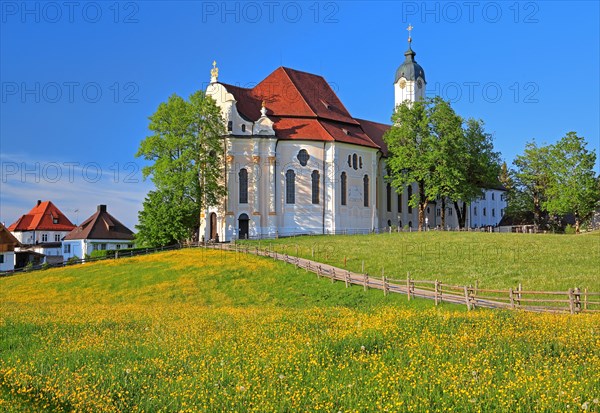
<point x="409" y="83"/>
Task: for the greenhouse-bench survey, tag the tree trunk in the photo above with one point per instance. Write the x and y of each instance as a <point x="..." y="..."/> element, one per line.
<point x="423" y="201"/>
<point x="443" y="214"/>
<point x="461" y="214"/>
<point x="577" y="223"/>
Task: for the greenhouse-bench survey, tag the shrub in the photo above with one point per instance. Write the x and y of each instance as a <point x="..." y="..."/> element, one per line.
<point x="569" y="229"/>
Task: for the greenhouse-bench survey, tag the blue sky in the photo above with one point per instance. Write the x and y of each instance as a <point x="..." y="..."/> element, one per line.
<point x="80" y="79"/>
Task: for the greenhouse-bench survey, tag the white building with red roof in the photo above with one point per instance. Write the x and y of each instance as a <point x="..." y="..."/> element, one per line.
<point x="297" y="162"/>
<point x="42" y="229"/>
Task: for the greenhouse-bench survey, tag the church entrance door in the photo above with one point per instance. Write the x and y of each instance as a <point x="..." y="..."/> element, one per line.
<point x="213" y="226"/>
<point x="243" y="226"/>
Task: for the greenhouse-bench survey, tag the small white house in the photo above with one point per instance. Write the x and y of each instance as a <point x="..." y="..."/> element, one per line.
<point x="7" y="249"/>
<point x="99" y="232"/>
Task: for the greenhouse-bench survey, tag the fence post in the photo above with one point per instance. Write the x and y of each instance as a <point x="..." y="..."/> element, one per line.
<point x="385" y="292"/>
<point x="585" y="298"/>
<point x="467" y="298"/>
<point x="577" y="300"/>
<point x="436" y="292"/>
<point x="408" y="285"/>
<point x="332" y="272"/>
<point x="519" y="295"/>
<point x="347" y="279"/>
<point x="366" y="282"/>
<point x="511" y="296"/>
<point x="571" y="301"/>
<point x="319" y="271"/>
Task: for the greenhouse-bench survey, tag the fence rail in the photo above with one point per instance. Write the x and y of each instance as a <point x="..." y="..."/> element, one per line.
<point x="573" y="301"/>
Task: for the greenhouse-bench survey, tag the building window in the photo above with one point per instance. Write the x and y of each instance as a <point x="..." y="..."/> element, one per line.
<point x="492" y="196"/>
<point x="399" y="202"/>
<point x="484" y="212"/>
<point x="388" y="190"/>
<point x="315" y="187"/>
<point x="129" y="245"/>
<point x="428" y="210"/>
<point x="290" y="187"/>
<point x="355" y="162"/>
<point x="67" y="249"/>
<point x="409" y="190"/>
<point x="56" y="237"/>
<point x="102" y="247"/>
<point x="438" y="212"/>
<point x="1" y="258"/>
<point x="483" y="196"/>
<point x="230" y="126"/>
<point x="243" y="128"/>
<point x="303" y="157"/>
<point x="44" y="237"/>
<point x="449" y="211"/>
<point x="349" y="161"/>
<point x="389" y="222"/>
<point x="55" y="220"/>
<point x="118" y="246"/>
<point x="366" y="190"/>
<point x="474" y="211"/>
<point x="360" y="162"/>
<point x="344" y="188"/>
<point x="243" y="176"/>
<point x="493" y="212"/>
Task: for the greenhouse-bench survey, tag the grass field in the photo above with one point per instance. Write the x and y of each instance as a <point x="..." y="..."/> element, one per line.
<point x="497" y="260"/>
<point x="194" y="330"/>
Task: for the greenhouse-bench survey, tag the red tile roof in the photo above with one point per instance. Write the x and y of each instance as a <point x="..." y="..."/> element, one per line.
<point x="101" y="225"/>
<point x="42" y="218"/>
<point x="303" y="106"/>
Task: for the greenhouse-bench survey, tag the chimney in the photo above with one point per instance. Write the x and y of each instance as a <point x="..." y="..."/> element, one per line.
<point x="101" y="208"/>
<point x="39" y="202"/>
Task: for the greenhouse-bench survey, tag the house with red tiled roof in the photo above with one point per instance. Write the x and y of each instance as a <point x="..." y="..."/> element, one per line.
<point x="297" y="161"/>
<point x="8" y="243"/>
<point x="99" y="232"/>
<point x="42" y="229"/>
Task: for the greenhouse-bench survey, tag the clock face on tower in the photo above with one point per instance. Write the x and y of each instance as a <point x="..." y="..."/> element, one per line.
<point x="402" y="83"/>
<point x="419" y="83"/>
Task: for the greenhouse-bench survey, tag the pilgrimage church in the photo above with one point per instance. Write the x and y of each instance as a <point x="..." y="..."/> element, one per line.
<point x="297" y="162"/>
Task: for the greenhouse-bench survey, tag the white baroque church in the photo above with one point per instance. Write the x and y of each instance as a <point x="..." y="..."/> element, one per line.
<point x="297" y="162"/>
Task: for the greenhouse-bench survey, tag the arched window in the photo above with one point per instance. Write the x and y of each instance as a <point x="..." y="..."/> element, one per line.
<point x="410" y="224"/>
<point x="230" y="126"/>
<point x="290" y="187"/>
<point x="389" y="222"/>
<point x="400" y="203"/>
<point x="388" y="191"/>
<point x="354" y="162"/>
<point x="243" y="128"/>
<point x="409" y="195"/>
<point x="366" y="190"/>
<point x="243" y="176"/>
<point x="350" y="161"/>
<point x="303" y="157"/>
<point x="315" y="186"/>
<point x="360" y="162"/>
<point x="400" y="224"/>
<point x="344" y="188"/>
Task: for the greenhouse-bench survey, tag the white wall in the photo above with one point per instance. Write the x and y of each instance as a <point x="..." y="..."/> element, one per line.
<point x="9" y="261"/>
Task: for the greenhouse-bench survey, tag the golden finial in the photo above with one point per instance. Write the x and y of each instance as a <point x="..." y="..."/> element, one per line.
<point x="409" y="28"/>
<point x="214" y="72"/>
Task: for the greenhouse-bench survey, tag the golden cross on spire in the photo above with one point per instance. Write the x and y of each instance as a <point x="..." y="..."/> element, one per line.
<point x="409" y="28"/>
<point x="214" y="72"/>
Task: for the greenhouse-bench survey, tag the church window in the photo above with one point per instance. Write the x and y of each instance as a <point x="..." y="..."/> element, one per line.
<point x="344" y="187"/>
<point x="366" y="190"/>
<point x="243" y="128"/>
<point x="1" y="258"/>
<point x="389" y="222"/>
<point x="290" y="187"/>
<point x="349" y="161"/>
<point x="388" y="190"/>
<point x="492" y="196"/>
<point x="410" y="224"/>
<point x="243" y="175"/>
<point x="428" y="210"/>
<point x="230" y="126"/>
<point x="399" y="202"/>
<point x="400" y="224"/>
<point x="409" y="197"/>
<point x="438" y="212"/>
<point x="484" y="212"/>
<point x="354" y="162"/>
<point x="360" y="162"/>
<point x="493" y="212"/>
<point x="475" y="211"/>
<point x="303" y="157"/>
<point x="450" y="211"/>
<point x="315" y="187"/>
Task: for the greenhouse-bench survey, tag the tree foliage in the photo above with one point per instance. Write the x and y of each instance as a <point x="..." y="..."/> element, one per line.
<point x="429" y="144"/>
<point x="185" y="150"/>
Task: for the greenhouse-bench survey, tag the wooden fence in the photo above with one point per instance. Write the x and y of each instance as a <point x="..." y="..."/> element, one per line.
<point x="573" y="301"/>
